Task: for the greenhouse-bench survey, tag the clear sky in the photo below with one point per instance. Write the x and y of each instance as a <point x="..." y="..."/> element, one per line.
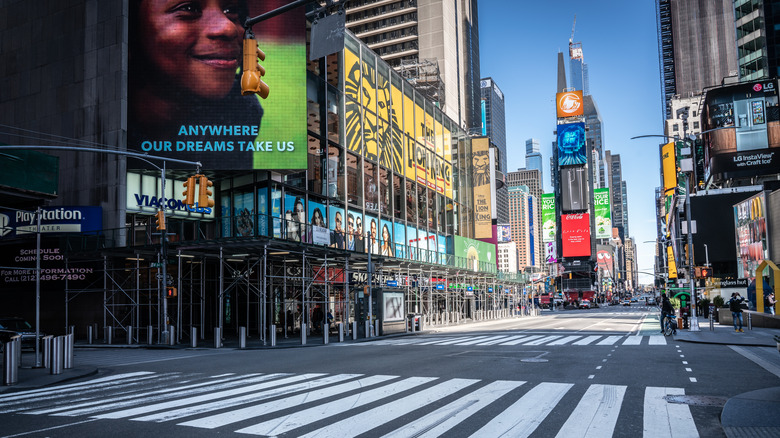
<point x="519" y="45"/>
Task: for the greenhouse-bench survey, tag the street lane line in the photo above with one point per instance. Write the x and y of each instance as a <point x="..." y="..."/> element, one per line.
<point x="633" y="340"/>
<point x="542" y="340"/>
<point x="297" y="419"/>
<point x="564" y="340"/>
<point x="610" y="340"/>
<point x="587" y="340"/>
<point x="663" y="419"/>
<point x="365" y="421"/>
<point x="203" y="398"/>
<point x="438" y="422"/>
<point x="523" y="417"/>
<point x="596" y="414"/>
<point x="657" y="340"/>
<point x="236" y="415"/>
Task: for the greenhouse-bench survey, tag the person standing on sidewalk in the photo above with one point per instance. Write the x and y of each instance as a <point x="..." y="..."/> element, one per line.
<point x="769" y="303"/>
<point x="735" y="306"/>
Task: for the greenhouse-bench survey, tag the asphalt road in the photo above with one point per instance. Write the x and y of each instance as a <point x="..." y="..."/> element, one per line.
<point x="598" y="372"/>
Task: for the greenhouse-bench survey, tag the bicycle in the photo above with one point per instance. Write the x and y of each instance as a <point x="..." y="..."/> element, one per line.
<point x="669" y="325"/>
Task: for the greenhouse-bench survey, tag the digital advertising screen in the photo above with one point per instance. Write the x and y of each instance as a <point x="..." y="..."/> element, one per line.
<point x="480" y="179"/>
<point x="750" y="225"/>
<point x="571" y="144"/>
<point x="575" y="232"/>
<point x="549" y="226"/>
<point x="603" y="211"/>
<point x="569" y="104"/>
<point x="184" y="96"/>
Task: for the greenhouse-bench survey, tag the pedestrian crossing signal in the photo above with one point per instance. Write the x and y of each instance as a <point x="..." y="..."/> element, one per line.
<point x="706" y="272"/>
<point x="170" y="292"/>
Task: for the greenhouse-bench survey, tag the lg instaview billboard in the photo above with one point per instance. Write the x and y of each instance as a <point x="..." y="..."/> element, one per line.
<point x="184" y="93"/>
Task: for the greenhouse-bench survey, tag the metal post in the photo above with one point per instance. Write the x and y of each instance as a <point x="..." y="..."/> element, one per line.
<point x="273" y="335"/>
<point x="67" y="352"/>
<point x="171" y="335"/>
<point x="193" y="337"/>
<point x="47" y="344"/>
<point x="38" y="288"/>
<point x="376" y="327"/>
<point x="341" y="332"/>
<point x="354" y="331"/>
<point x="94" y="332"/>
<point x="242" y="338"/>
<point x="303" y="333"/>
<point x="56" y="356"/>
<point x="129" y="335"/>
<point x="90" y="336"/>
<point x="108" y="335"/>
<point x="149" y="334"/>
<point x="750" y="321"/>
<point x="368" y="329"/>
<point x="10" y="368"/>
<point x="217" y="337"/>
<point x="325" y="334"/>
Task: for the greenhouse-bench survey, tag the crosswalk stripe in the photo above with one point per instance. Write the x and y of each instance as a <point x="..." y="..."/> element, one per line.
<point x="88" y="407"/>
<point x="495" y="340"/>
<point x="202" y="398"/>
<point x="610" y="340"/>
<point x="459" y="340"/>
<point x="664" y="419"/>
<point x="564" y="340"/>
<point x="657" y="340"/>
<point x="596" y="414"/>
<point x="297" y="419"/>
<point x="223" y="419"/>
<point x="519" y="339"/>
<point x="365" y="421"/>
<point x="542" y="340"/>
<point x="633" y="340"/>
<point x="587" y="340"/>
<point x="437" y="423"/>
<point x="525" y="415"/>
<point x="101" y="382"/>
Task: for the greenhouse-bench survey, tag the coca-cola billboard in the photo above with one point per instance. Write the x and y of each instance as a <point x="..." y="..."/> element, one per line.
<point x="575" y="235"/>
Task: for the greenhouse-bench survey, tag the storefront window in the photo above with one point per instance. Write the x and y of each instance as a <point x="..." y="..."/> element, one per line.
<point x="422" y="206"/>
<point x="315" y="166"/>
<point x="294" y="215"/>
<point x="276" y="211"/>
<point x="431" y="210"/>
<point x="244" y="213"/>
<point x="334" y="105"/>
<point x="440" y="205"/>
<point x="371" y="188"/>
<point x="336" y="173"/>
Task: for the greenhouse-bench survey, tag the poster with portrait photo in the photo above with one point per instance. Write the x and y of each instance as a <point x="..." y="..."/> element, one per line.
<point x="386" y="245"/>
<point x="442" y="247"/>
<point x="399" y="237"/>
<point x="318" y="226"/>
<point x="371" y="225"/>
<point x="336" y="226"/>
<point x="295" y="217"/>
<point x="358" y="231"/>
<point x="184" y="96"/>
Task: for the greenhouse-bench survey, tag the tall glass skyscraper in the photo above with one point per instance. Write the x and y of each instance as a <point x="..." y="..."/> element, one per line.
<point x="533" y="158"/>
<point x="578" y="69"/>
<point x="494" y="126"/>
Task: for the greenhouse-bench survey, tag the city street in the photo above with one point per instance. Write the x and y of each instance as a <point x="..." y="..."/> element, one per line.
<point x="596" y="372"/>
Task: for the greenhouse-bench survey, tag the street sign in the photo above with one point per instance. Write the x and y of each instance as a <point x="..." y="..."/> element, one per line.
<point x="439" y="287"/>
<point x="392" y="283"/>
<point x="156" y="265"/>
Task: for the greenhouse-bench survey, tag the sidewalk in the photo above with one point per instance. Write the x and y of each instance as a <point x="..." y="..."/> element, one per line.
<point x="725" y="334"/>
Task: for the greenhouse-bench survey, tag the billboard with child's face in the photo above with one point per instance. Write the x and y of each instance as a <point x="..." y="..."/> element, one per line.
<point x="184" y="85"/>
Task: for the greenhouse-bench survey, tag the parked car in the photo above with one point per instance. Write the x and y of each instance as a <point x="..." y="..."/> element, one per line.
<point x="651" y="301"/>
<point x="585" y="304"/>
<point x="626" y="302"/>
<point x="21" y="327"/>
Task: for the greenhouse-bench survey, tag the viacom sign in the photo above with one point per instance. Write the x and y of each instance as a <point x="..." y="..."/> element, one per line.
<point x="14" y="223"/>
<point x="144" y="196"/>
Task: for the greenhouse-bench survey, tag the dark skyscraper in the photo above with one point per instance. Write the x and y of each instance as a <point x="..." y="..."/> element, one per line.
<point x="494" y="126"/>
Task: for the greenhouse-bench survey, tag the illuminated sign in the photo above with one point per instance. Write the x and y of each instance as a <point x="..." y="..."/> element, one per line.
<point x="569" y="104"/>
<point x="549" y="227"/>
<point x="480" y="179"/>
<point x="575" y="232"/>
<point x="571" y="144"/>
<point x="603" y="212"/>
<point x="669" y="166"/>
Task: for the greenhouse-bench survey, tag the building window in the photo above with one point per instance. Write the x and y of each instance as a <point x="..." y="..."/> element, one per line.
<point x="675" y="127"/>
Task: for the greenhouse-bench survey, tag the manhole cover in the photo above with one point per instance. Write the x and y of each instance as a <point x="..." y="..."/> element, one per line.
<point x="696" y="400"/>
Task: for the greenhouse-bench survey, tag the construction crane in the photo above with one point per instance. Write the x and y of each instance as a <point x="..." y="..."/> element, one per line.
<point x="575" y="49"/>
<point x="571" y="38"/>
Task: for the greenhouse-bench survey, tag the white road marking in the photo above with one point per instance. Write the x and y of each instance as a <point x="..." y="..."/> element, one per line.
<point x="587" y="340"/>
<point x="664" y="419"/>
<point x="596" y="414"/>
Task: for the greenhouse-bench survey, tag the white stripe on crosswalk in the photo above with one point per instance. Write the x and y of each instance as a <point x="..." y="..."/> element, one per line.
<point x="596" y="414"/>
<point x="101" y="382"/>
<point x="525" y="415"/>
<point x="242" y="414"/>
<point x="610" y="340"/>
<point x="510" y="339"/>
<point x="202" y="398"/>
<point x="365" y="421"/>
<point x="565" y="340"/>
<point x="542" y="340"/>
<point x="520" y="340"/>
<point x="496" y="340"/>
<point x="663" y="419"/>
<point x="587" y="340"/>
<point x="437" y="423"/>
<point x="297" y="419"/>
<point x="468" y="341"/>
<point x="633" y="340"/>
<point x="657" y="340"/>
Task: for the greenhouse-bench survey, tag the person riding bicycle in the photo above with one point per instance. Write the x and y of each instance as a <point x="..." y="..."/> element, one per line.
<point x="667" y="311"/>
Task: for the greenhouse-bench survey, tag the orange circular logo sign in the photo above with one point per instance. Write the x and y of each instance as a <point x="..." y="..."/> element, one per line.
<point x="570" y="104"/>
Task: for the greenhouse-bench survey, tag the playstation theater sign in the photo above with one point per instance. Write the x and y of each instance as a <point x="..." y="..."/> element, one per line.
<point x="18" y="253"/>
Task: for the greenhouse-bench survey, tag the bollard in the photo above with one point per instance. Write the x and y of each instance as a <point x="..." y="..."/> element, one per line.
<point x="47" y="343"/>
<point x="149" y="335"/>
<point x="107" y="334"/>
<point x="129" y="335"/>
<point x="171" y="335"/>
<point x="18" y="346"/>
<point x="341" y="332"/>
<point x="354" y="331"/>
<point x="217" y="337"/>
<point x="273" y="335"/>
<point x="94" y="331"/>
<point x="325" y="334"/>
<point x="368" y="329"/>
<point x="303" y="334"/>
<point x="67" y="351"/>
<point x="712" y="323"/>
<point x="411" y="323"/>
<point x="89" y="334"/>
<point x="376" y="328"/>
<point x="56" y="355"/>
<point x="241" y="338"/>
<point x="194" y="337"/>
<point x="72" y="330"/>
<point x="10" y="369"/>
<point x="750" y="321"/>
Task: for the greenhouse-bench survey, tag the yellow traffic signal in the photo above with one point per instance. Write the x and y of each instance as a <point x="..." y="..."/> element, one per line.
<point x="697" y="272"/>
<point x="160" y="221"/>
<point x="252" y="71"/>
<point x="189" y="192"/>
<point x="204" y="193"/>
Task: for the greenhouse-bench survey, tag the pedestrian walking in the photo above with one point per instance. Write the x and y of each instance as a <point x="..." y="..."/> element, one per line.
<point x="735" y="306"/>
<point x="770" y="303"/>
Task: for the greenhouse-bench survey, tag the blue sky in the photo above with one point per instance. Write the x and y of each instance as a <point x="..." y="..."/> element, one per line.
<point x="519" y="45"/>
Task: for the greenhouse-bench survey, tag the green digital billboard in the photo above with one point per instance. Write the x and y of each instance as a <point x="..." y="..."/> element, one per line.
<point x="603" y="212"/>
<point x="549" y="227"/>
<point x="475" y="251"/>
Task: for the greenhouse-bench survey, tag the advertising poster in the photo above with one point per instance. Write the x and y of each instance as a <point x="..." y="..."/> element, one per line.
<point x="372" y="239"/>
<point x="320" y="235"/>
<point x="432" y="248"/>
<point x="394" y="306"/>
<point x="569" y="104"/>
<point x="750" y="225"/>
<point x="295" y="217"/>
<point x="474" y="251"/>
<point x="18" y="262"/>
<point x="603" y="212"/>
<point x="480" y="181"/>
<point x="669" y="166"/>
<point x="549" y="226"/>
<point x="574" y="188"/>
<point x="571" y="144"/>
<point x="503" y="233"/>
<point x="276" y="212"/>
<point x="386" y="247"/>
<point x="670" y="263"/>
<point x="604" y="261"/>
<point x="411" y="242"/>
<point x="336" y="226"/>
<point x="551" y="252"/>
<point x="442" y="249"/>
<point x="184" y="99"/>
<point x="575" y="235"/>
<point x="355" y="240"/>
<point x="82" y="220"/>
<point x="244" y="214"/>
<point x="399" y="238"/>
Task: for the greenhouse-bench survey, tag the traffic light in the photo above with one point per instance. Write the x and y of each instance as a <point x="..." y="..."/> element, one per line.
<point x="189" y="191"/>
<point x="252" y="71"/>
<point x="706" y="272"/>
<point x="160" y="221"/>
<point x="697" y="272"/>
<point x="204" y="193"/>
<point x="170" y="292"/>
